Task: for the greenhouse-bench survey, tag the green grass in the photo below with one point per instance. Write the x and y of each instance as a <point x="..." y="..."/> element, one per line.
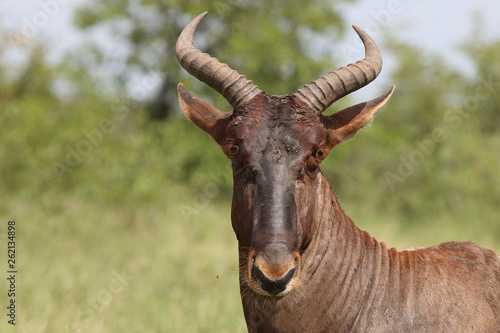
<point x="88" y="267"/>
<point x="85" y="267"/>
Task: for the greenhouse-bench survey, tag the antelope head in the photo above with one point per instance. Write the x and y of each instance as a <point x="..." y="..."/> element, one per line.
<point x="276" y="144"/>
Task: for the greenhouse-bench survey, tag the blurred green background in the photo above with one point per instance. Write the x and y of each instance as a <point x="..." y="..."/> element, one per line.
<point x="122" y="206"/>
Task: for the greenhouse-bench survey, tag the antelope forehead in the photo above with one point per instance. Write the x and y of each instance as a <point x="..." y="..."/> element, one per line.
<point x="278" y="138"/>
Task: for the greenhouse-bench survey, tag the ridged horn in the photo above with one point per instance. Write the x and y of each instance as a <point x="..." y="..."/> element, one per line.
<point x="235" y="88"/>
<point x="320" y="94"/>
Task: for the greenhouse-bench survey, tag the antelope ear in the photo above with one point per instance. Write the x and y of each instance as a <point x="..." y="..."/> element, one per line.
<point x="347" y="122"/>
<point x="204" y="115"/>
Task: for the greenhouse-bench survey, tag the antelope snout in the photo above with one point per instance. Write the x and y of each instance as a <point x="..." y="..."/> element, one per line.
<point x="273" y="286"/>
<point x="274" y="278"/>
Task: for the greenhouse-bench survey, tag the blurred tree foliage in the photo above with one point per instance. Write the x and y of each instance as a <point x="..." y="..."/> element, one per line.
<point x="268" y="41"/>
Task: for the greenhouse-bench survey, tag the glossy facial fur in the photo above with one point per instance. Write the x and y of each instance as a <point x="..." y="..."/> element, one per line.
<point x="278" y="140"/>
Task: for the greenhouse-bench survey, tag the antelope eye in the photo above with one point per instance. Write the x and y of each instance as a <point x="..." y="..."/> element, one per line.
<point x="318" y="153"/>
<point x="233" y="150"/>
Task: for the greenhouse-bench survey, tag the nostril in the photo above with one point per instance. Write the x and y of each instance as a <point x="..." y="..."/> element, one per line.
<point x="288" y="276"/>
<point x="272" y="286"/>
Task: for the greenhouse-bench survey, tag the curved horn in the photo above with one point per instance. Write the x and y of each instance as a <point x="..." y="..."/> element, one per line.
<point x="320" y="94"/>
<point x="235" y="88"/>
